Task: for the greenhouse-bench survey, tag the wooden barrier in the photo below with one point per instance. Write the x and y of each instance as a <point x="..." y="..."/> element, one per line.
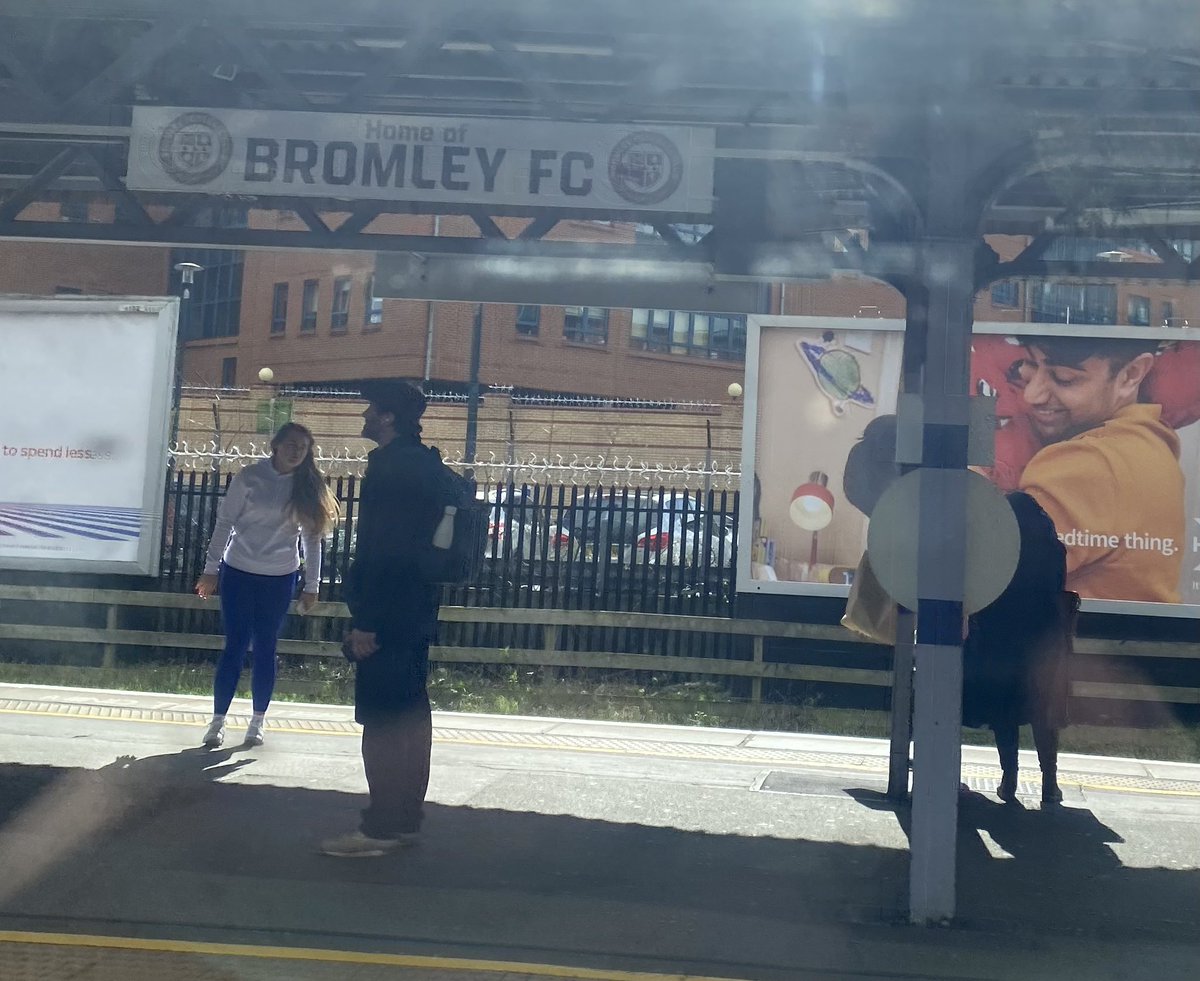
<point x="551" y="622"/>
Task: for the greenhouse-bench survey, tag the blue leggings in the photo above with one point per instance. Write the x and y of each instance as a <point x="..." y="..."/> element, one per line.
<point x="252" y="609"/>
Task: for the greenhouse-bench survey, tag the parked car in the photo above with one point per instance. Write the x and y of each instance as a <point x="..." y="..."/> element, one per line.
<point x="655" y="527"/>
<point x="524" y="525"/>
<point x="681" y="528"/>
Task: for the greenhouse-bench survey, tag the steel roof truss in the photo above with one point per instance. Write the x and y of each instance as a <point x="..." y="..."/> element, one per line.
<point x="16" y="202"/>
<point x="140" y="55"/>
<point x="280" y="93"/>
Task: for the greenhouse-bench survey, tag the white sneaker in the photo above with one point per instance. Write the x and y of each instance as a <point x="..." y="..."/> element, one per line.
<point x="358" y="845"/>
<point x="254" y="734"/>
<point x="215" y="734"/>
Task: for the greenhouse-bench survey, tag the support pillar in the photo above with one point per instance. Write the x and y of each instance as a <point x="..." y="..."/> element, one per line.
<point x="933" y="431"/>
<point x="902" y="704"/>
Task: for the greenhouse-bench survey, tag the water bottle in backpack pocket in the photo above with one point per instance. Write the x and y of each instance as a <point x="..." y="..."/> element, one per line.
<point x="456" y="548"/>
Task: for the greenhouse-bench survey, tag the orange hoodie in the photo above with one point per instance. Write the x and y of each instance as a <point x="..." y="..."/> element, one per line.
<point x="1116" y="496"/>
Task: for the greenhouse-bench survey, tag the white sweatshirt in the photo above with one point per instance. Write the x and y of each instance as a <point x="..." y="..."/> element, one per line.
<point x="253" y="532"/>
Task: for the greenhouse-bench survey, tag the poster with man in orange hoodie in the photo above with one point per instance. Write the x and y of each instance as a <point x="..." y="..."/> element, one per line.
<point x="1108" y="473"/>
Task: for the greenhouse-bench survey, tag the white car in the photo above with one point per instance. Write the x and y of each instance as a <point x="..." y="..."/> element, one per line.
<point x="518" y="526"/>
<point x="680" y="528"/>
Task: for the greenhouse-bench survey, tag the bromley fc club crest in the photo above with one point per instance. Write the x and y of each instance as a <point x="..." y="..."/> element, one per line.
<point x="195" y="148"/>
<point x="645" y="168"/>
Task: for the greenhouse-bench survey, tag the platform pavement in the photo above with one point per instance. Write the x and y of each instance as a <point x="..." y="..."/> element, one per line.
<point x="589" y="849"/>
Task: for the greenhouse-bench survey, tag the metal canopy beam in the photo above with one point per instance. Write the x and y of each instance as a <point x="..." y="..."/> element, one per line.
<point x="639" y="283"/>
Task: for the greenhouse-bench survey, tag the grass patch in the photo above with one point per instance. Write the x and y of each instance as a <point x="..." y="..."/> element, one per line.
<point x="575" y="695"/>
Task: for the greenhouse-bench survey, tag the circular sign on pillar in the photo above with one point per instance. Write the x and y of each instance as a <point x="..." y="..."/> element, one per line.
<point x="993" y="540"/>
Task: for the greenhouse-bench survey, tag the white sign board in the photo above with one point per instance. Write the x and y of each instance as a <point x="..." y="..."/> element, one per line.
<point x="85" y="385"/>
<point x="501" y="162"/>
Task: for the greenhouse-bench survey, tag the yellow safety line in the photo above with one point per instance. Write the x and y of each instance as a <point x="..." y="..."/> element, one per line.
<point x="339" y="957"/>
<point x="612" y="751"/>
<point x="459" y="741"/>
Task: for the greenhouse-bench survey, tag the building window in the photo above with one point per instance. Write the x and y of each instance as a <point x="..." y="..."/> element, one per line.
<point x="74" y="211"/>
<point x="279" y="309"/>
<point x="214" y="308"/>
<point x="67" y="291"/>
<point x="586" y="325"/>
<point x="228" y="372"/>
<point x="1137" y="309"/>
<point x="1168" y="313"/>
<point x="718" y="337"/>
<point x="529" y="320"/>
<point x="1073" y="303"/>
<point x="1007" y="294"/>
<point x="308" y="307"/>
<point x="339" y="315"/>
<point x="372" y="304"/>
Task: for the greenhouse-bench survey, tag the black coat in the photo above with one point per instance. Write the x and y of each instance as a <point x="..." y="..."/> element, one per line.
<point x="399" y="510"/>
<point x="1015" y="656"/>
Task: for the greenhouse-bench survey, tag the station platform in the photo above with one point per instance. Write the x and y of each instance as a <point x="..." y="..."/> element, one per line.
<point x="560" y="849"/>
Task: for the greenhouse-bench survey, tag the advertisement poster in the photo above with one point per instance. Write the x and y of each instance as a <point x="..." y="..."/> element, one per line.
<point x="1100" y="424"/>
<point x="85" y="387"/>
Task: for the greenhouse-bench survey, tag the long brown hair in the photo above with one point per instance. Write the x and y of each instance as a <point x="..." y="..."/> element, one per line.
<point x="312" y="504"/>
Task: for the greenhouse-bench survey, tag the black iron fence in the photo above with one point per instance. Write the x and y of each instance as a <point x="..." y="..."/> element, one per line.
<point x="655" y="550"/>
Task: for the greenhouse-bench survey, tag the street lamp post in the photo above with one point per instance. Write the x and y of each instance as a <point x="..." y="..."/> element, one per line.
<point x="187" y="276"/>
<point x="473" y="385"/>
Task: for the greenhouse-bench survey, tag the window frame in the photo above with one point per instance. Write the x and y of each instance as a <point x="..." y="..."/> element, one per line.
<point x="339" y="307"/>
<point x="526" y="325"/>
<point x="674" y="332"/>
<point x="279" y="310"/>
<point x="1139" y="307"/>
<point x="1097" y="303"/>
<point x="372" y="305"/>
<point x="311" y="291"/>
<point x="214" y="309"/>
<point x="591" y="327"/>
<point x="1006" y="294"/>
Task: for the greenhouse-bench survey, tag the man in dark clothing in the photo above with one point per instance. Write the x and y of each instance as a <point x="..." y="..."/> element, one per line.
<point x="393" y="612"/>
<point x="1015" y="656"/>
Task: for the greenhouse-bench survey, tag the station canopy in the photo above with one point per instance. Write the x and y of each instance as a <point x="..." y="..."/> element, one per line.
<point x="831" y="125"/>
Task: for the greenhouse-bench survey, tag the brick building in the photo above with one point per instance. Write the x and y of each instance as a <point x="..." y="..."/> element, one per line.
<point x="47" y="268"/>
<point x="313" y="318"/>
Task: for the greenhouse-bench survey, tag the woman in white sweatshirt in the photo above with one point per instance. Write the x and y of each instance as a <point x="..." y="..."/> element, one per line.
<point x="253" y="561"/>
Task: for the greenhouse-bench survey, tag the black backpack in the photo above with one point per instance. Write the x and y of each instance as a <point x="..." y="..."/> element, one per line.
<point x="459" y="538"/>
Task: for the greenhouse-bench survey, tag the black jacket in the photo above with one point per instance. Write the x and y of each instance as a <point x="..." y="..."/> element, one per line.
<point x="399" y="509"/>
<point x="1015" y="656"/>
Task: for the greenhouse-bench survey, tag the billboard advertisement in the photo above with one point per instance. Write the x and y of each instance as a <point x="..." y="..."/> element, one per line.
<point x="1100" y="424"/>
<point x="85" y="396"/>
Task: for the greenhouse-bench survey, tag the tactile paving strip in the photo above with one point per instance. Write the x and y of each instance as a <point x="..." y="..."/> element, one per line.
<point x="977" y="776"/>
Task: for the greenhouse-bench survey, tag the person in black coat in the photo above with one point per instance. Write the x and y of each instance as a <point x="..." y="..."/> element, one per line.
<point x="1015" y="655"/>
<point x="393" y="610"/>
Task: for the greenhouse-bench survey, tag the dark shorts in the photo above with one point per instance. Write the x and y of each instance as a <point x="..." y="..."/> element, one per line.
<point x="390" y="681"/>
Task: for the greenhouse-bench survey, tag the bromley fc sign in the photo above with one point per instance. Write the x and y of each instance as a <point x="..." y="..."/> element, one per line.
<point x="421" y="158"/>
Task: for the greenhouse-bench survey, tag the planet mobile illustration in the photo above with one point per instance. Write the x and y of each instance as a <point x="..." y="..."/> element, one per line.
<point x="838" y="375"/>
